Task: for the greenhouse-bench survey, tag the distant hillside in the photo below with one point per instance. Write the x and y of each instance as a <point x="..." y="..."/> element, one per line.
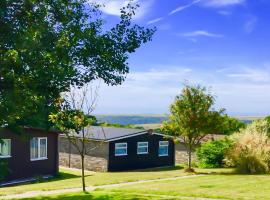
<point x="149" y="119"/>
<point x="132" y="119"/>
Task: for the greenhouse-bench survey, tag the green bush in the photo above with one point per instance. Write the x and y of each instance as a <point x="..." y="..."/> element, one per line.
<point x="211" y="154"/>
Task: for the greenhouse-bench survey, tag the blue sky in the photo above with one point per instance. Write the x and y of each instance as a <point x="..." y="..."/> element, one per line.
<point x="220" y="44"/>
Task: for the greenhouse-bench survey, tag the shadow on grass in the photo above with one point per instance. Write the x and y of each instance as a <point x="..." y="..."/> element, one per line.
<point x="92" y="196"/>
<point x="156" y="169"/>
<point x="232" y="172"/>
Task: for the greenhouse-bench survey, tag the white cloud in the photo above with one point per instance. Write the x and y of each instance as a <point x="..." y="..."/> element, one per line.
<point x="222" y="3"/>
<point x="199" y="33"/>
<point x="155" y="20"/>
<point x="241" y="90"/>
<point x="250" y="24"/>
<point x="210" y="3"/>
<point x="180" y="8"/>
<point x="112" y="7"/>
<point x="251" y="74"/>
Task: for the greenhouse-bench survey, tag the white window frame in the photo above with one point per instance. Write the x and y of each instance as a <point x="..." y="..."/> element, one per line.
<point x="9" y="153"/>
<point x="143" y="146"/>
<point x="126" y="147"/>
<point x="163" y="145"/>
<point x="39" y="157"/>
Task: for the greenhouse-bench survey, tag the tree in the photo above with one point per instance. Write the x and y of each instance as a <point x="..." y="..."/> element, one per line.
<point x="46" y="46"/>
<point x="231" y="125"/>
<point x="75" y="121"/>
<point x="192" y="117"/>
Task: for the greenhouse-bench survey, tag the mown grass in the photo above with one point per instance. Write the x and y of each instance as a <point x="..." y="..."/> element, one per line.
<point x="214" y="184"/>
<point x="217" y="186"/>
<point x="71" y="179"/>
<point x="102" y="195"/>
<point x="211" y="186"/>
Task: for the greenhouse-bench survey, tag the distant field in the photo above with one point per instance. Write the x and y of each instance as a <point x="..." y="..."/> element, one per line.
<point x="132" y="119"/>
<point x="149" y="126"/>
<point x="152" y="121"/>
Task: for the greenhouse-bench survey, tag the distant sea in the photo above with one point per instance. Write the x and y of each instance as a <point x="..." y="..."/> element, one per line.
<point x="141" y="119"/>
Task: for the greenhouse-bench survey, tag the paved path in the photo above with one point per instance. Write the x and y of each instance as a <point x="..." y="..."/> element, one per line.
<point x="91" y="188"/>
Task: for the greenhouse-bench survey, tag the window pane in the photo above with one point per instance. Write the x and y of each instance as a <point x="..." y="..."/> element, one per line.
<point x="163" y="148"/>
<point x="5" y="147"/>
<point x="120" y="151"/>
<point x="119" y="145"/>
<point x="164" y="143"/>
<point x="143" y="144"/>
<point x="43" y="148"/>
<point x="34" y="148"/>
<point x="142" y="150"/>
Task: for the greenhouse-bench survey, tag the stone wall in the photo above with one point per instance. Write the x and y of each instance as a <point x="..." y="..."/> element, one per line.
<point x="91" y="163"/>
<point x="96" y="158"/>
<point x="181" y="156"/>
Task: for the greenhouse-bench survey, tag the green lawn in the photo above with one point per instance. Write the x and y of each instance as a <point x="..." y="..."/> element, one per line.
<point x="215" y="184"/>
<point x="210" y="186"/>
<point x="103" y="195"/>
<point x="71" y="179"/>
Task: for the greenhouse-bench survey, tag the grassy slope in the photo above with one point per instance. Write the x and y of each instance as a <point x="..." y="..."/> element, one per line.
<point x="100" y="195"/>
<point x="215" y="186"/>
<point x="71" y="179"/>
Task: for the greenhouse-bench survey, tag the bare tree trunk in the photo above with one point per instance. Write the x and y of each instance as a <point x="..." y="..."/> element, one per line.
<point x="189" y="157"/>
<point x="83" y="175"/>
<point x="69" y="155"/>
<point x="83" y="154"/>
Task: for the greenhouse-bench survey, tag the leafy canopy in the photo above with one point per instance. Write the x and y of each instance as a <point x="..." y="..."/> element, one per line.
<point x="46" y="46"/>
<point x="192" y="115"/>
<point x="192" y="118"/>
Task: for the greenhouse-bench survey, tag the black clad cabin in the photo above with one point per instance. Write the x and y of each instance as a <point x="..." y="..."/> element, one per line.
<point x="118" y="149"/>
<point x="30" y="154"/>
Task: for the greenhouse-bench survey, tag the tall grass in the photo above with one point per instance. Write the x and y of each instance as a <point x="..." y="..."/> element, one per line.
<point x="251" y="151"/>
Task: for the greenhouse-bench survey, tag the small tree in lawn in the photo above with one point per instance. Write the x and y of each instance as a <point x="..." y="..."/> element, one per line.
<point x="192" y="118"/>
<point x="75" y="119"/>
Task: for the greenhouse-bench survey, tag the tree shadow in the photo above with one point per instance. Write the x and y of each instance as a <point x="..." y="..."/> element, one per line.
<point x="233" y="172"/>
<point x="90" y="196"/>
<point x="156" y="169"/>
<point x="66" y="175"/>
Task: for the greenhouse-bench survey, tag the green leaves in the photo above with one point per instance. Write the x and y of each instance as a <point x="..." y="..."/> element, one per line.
<point x="192" y="115"/>
<point x="46" y="46"/>
<point x="71" y="120"/>
<point x="211" y="154"/>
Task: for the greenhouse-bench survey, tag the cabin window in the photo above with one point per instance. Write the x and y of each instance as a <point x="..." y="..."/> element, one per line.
<point x="142" y="148"/>
<point x="38" y="148"/>
<point x="163" y="148"/>
<point x="120" y="149"/>
<point x="5" y="148"/>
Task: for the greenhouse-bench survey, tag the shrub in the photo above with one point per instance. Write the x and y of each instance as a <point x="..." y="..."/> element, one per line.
<point x="251" y="151"/>
<point x="211" y="154"/>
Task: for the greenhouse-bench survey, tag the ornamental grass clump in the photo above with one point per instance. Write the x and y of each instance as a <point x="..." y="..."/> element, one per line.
<point x="251" y="151"/>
